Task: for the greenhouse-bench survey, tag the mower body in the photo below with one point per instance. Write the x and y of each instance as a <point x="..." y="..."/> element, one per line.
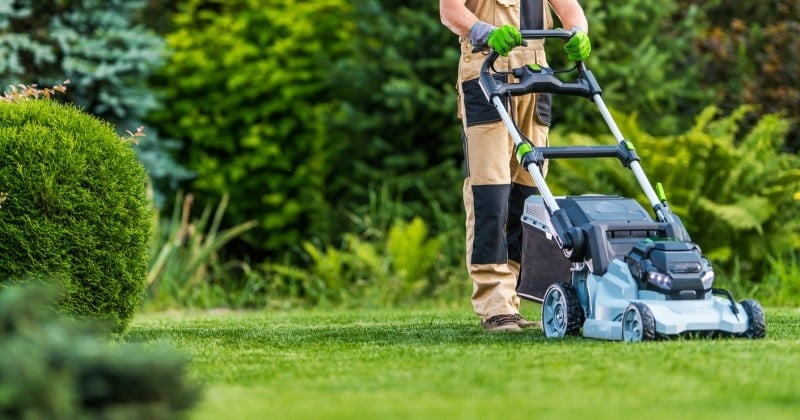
<point x="600" y="265"/>
<point x="629" y="259"/>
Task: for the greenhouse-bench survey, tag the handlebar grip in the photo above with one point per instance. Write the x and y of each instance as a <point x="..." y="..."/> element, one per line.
<point x="547" y="33"/>
<point x="534" y="34"/>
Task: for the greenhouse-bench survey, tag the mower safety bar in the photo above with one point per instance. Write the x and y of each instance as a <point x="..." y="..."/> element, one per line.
<point x="621" y="151"/>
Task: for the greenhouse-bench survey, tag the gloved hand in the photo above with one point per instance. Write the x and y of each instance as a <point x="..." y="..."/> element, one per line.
<point x="578" y="47"/>
<point x="504" y="39"/>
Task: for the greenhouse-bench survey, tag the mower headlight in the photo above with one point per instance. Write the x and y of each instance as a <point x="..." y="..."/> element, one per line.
<point x="661" y="280"/>
<point x="708" y="279"/>
<point x="708" y="274"/>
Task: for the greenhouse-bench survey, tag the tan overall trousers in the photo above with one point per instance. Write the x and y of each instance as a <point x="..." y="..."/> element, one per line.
<point x="496" y="185"/>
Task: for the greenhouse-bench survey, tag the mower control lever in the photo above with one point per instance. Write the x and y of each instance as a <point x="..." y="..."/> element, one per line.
<point x="486" y="47"/>
<point x="543" y="80"/>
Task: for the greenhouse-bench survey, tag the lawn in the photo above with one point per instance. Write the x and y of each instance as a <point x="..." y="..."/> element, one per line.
<point x="439" y="364"/>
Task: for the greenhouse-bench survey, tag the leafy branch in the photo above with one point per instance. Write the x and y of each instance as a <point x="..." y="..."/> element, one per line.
<point x="23" y="91"/>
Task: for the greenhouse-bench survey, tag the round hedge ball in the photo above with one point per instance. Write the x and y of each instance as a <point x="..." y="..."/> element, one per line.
<point x="75" y="209"/>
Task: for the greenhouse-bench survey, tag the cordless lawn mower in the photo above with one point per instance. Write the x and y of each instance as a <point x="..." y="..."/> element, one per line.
<point x="600" y="265"/>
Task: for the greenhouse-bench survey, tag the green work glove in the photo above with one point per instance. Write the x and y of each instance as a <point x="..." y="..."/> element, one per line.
<point x="578" y="47"/>
<point x="504" y="39"/>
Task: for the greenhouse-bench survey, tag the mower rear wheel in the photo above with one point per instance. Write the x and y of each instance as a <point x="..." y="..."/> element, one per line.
<point x="638" y="323"/>
<point x="757" y="323"/>
<point x="562" y="313"/>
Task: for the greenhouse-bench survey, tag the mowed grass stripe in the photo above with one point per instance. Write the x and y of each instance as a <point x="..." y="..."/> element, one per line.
<point x="440" y="364"/>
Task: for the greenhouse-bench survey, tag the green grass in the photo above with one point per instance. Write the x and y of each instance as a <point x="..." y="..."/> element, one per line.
<point x="438" y="364"/>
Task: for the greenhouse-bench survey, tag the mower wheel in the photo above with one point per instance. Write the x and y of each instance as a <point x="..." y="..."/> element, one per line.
<point x="562" y="313"/>
<point x="757" y="323"/>
<point x="638" y="323"/>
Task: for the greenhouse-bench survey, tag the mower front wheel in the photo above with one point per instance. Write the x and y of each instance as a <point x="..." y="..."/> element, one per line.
<point x="756" y="321"/>
<point x="562" y="313"/>
<point x="638" y="323"/>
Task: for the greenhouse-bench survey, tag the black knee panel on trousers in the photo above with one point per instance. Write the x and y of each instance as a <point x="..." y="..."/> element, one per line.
<point x="491" y="212"/>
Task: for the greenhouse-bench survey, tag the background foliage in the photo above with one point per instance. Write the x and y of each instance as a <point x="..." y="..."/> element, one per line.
<point x="243" y="88"/>
<point x="742" y="210"/>
<point x="642" y="55"/>
<point x="385" y="126"/>
<point x="184" y="266"/>
<point x="329" y="122"/>
<point x="276" y="108"/>
<point x="106" y="55"/>
<point x="752" y="56"/>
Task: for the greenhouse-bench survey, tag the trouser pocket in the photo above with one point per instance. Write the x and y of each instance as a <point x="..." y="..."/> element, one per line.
<point x="477" y="108"/>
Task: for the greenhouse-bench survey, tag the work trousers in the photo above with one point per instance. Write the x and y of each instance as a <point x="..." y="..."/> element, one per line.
<point x="496" y="185"/>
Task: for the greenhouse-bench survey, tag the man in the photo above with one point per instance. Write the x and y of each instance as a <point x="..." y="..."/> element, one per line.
<point x="496" y="185"/>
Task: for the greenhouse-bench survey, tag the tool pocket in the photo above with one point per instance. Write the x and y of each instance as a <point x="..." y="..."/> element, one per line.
<point x="508" y="3"/>
<point x="477" y="108"/>
<point x="506" y="11"/>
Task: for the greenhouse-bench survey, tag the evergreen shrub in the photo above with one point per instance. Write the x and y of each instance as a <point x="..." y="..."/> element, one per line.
<point x="76" y="208"/>
<point x="54" y="368"/>
<point x="101" y="46"/>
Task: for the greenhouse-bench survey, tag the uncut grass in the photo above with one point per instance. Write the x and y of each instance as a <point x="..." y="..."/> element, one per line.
<point x="440" y="364"/>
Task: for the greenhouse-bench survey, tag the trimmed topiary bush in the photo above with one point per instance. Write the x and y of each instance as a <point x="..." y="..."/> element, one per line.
<point x="75" y="208"/>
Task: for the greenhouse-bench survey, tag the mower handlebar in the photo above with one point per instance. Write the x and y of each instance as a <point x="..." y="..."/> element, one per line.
<point x="532" y="80"/>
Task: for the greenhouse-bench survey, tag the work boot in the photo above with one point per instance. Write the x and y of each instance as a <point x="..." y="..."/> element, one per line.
<point x="524" y="323"/>
<point x="501" y="323"/>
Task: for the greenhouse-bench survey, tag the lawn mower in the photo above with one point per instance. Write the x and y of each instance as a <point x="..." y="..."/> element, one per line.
<point x="600" y="265"/>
